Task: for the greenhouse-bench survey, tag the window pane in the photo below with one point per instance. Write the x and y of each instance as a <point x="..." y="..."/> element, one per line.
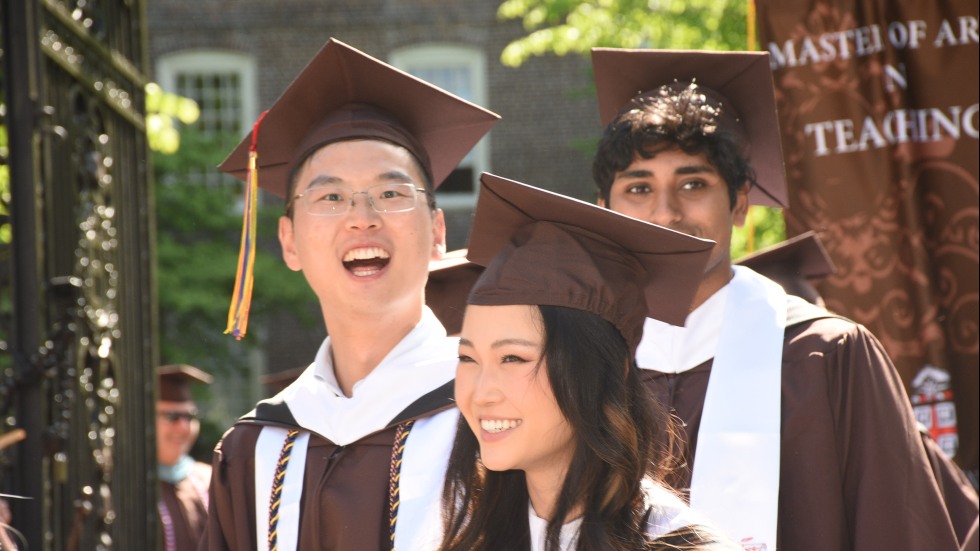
<point x="456" y="79"/>
<point x="219" y="95"/>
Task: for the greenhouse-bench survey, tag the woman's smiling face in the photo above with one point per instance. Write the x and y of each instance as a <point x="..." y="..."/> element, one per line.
<point x="505" y="395"/>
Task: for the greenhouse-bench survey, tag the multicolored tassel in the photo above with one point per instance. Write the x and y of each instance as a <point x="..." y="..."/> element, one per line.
<point x="241" y="300"/>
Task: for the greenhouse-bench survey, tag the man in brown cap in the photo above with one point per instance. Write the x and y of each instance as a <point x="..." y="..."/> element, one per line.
<point x="183" y="505"/>
<point x="351" y="455"/>
<point x="800" y="435"/>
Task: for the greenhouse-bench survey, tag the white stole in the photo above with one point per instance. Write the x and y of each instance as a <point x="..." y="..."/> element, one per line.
<point x="735" y="478"/>
<point x="424" y="463"/>
<point x="423" y="361"/>
<point x="267" y="449"/>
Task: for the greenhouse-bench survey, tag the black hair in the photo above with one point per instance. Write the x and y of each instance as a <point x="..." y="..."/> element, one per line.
<point x="676" y="120"/>
<point x="621" y="437"/>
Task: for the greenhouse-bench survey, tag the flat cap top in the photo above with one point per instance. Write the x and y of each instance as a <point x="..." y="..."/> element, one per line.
<point x="345" y="94"/>
<point x="803" y="255"/>
<point x="541" y="248"/>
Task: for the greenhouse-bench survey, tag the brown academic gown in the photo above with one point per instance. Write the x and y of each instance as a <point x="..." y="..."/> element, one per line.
<point x="345" y="488"/>
<point x="958" y="493"/>
<point x="853" y="472"/>
<point x="185" y="509"/>
<point x="972" y="540"/>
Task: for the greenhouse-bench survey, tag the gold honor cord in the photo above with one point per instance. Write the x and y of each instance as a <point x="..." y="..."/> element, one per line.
<point x="277" y="480"/>
<point x="401" y="435"/>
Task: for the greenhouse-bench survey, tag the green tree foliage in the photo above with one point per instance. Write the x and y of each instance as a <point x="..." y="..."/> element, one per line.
<point x="562" y="27"/>
<point x="763" y="227"/>
<point x="162" y="108"/>
<point x="565" y="26"/>
<point x="198" y="235"/>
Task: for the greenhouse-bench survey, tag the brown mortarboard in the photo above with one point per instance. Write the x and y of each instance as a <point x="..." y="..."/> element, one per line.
<point x="345" y="94"/>
<point x="450" y="280"/>
<point x="740" y="81"/>
<point x="794" y="264"/>
<point x="804" y="254"/>
<point x="547" y="249"/>
<point x="175" y="381"/>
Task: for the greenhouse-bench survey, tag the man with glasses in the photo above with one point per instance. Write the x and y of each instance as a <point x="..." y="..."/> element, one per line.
<point x="352" y="454"/>
<point x="183" y="498"/>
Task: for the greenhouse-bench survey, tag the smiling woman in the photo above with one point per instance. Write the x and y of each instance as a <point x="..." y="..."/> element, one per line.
<point x="505" y="394"/>
<point x="559" y="446"/>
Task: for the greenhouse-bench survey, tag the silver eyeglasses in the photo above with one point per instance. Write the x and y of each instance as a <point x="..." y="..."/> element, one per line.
<point x="335" y="199"/>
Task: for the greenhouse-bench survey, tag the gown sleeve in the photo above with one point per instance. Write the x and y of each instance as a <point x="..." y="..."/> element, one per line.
<point x="231" y="507"/>
<point x="891" y="497"/>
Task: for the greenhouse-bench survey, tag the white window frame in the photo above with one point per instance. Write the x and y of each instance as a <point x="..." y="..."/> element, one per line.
<point x="168" y="66"/>
<point x="435" y="55"/>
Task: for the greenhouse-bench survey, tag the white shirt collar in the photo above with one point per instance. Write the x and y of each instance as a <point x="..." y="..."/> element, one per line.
<point x="539" y="530"/>
<point x="323" y="369"/>
<point x="667" y="513"/>
<point x="421" y="362"/>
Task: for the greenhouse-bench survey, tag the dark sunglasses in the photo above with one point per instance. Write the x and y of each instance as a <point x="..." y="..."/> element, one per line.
<point x="174" y="416"/>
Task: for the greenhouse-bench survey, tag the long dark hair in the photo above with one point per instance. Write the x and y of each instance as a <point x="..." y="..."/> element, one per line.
<point x="621" y="437"/>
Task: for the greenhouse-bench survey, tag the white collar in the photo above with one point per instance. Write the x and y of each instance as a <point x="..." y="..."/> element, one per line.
<point x="422" y="361"/>
<point x="539" y="530"/>
<point x="669" y="349"/>
<point x="667" y="513"/>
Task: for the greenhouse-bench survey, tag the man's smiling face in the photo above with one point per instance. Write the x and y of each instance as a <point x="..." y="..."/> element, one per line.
<point x="685" y="193"/>
<point x="362" y="259"/>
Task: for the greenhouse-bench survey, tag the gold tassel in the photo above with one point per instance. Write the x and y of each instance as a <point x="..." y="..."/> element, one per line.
<point x="241" y="300"/>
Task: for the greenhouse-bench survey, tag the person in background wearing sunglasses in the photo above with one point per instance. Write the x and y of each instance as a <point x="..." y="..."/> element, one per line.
<point x="183" y="497"/>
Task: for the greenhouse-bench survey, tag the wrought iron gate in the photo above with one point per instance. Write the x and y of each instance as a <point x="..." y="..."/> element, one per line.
<point x="77" y="313"/>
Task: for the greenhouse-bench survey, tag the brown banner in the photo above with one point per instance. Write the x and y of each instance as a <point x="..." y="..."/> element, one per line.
<point x="878" y="109"/>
